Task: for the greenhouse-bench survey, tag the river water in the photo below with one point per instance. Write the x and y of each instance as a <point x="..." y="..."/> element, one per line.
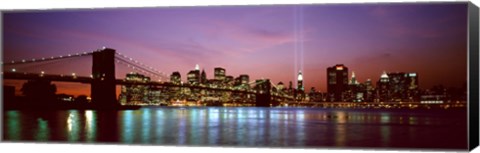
<point x="244" y="127"/>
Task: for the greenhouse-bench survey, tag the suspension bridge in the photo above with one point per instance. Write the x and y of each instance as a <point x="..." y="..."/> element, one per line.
<point x="103" y="80"/>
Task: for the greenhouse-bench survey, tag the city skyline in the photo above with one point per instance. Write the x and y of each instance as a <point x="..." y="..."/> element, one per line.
<point x="272" y="42"/>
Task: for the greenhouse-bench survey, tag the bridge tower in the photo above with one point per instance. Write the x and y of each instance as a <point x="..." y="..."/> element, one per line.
<point x="263" y="95"/>
<point x="103" y="89"/>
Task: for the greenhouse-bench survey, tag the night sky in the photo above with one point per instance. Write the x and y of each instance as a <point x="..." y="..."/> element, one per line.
<point x="272" y="42"/>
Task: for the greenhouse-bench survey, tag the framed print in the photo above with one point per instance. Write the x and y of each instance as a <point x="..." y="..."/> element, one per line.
<point x="356" y="76"/>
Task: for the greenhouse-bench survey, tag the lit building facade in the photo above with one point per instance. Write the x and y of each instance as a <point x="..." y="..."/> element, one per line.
<point x="397" y="87"/>
<point x="229" y="80"/>
<point x="135" y="94"/>
<point x="242" y="82"/>
<point x="369" y="90"/>
<point x="193" y="77"/>
<point x="413" y="90"/>
<point x="403" y="86"/>
<point x="356" y="90"/>
<point x="337" y="82"/>
<point x="244" y="79"/>
<point x="176" y="78"/>
<point x="300" y="86"/>
<point x="353" y="80"/>
<point x="154" y="95"/>
<point x="397" y="82"/>
<point x="383" y="88"/>
<point x="280" y="86"/>
<point x="219" y="74"/>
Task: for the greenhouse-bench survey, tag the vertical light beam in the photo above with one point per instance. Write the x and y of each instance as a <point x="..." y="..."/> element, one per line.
<point x="295" y="49"/>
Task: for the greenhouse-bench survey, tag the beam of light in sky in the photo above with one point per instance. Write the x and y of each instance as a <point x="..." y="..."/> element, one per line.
<point x="301" y="31"/>
<point x="295" y="50"/>
<point x="298" y="42"/>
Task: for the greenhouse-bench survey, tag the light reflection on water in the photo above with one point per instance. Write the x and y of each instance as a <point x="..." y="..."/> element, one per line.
<point x="73" y="125"/>
<point x="42" y="131"/>
<point x="146" y="123"/>
<point x="128" y="127"/>
<point x="13" y="125"/>
<point x="90" y="126"/>
<point x="159" y="128"/>
<point x="255" y="127"/>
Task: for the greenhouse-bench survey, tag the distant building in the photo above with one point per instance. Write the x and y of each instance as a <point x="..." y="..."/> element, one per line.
<point x="176" y="78"/>
<point x="403" y="86"/>
<point x="219" y="74"/>
<point x="242" y="81"/>
<point x="154" y="95"/>
<point x="412" y="81"/>
<point x="369" y="90"/>
<point x="229" y="80"/>
<point x="238" y="82"/>
<point x="413" y="90"/>
<point x="280" y="86"/>
<point x="353" y="80"/>
<point x="245" y="79"/>
<point x="356" y="91"/>
<point x="397" y="85"/>
<point x="383" y="88"/>
<point x="193" y="77"/>
<point x="315" y="96"/>
<point x="300" y="86"/>
<point x="337" y="82"/>
<point x="135" y="94"/>
<point x="203" y="77"/>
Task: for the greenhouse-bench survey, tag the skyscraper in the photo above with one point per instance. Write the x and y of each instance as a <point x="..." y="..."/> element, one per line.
<point x="280" y="86"/>
<point x="219" y="74"/>
<point x="413" y="92"/>
<point x="300" y="86"/>
<point x="193" y="77"/>
<point x="337" y="82"/>
<point x="175" y="78"/>
<point x="290" y="85"/>
<point x="383" y="88"/>
<point x="397" y="85"/>
<point x="355" y="90"/>
<point x="229" y="80"/>
<point x="412" y="81"/>
<point x="369" y="90"/>
<point x="245" y="79"/>
<point x="203" y="77"/>
<point x="403" y="86"/>
<point x="353" y="80"/>
<point x="132" y="94"/>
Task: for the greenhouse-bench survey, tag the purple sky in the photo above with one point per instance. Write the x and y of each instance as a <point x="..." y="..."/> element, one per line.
<point x="262" y="41"/>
